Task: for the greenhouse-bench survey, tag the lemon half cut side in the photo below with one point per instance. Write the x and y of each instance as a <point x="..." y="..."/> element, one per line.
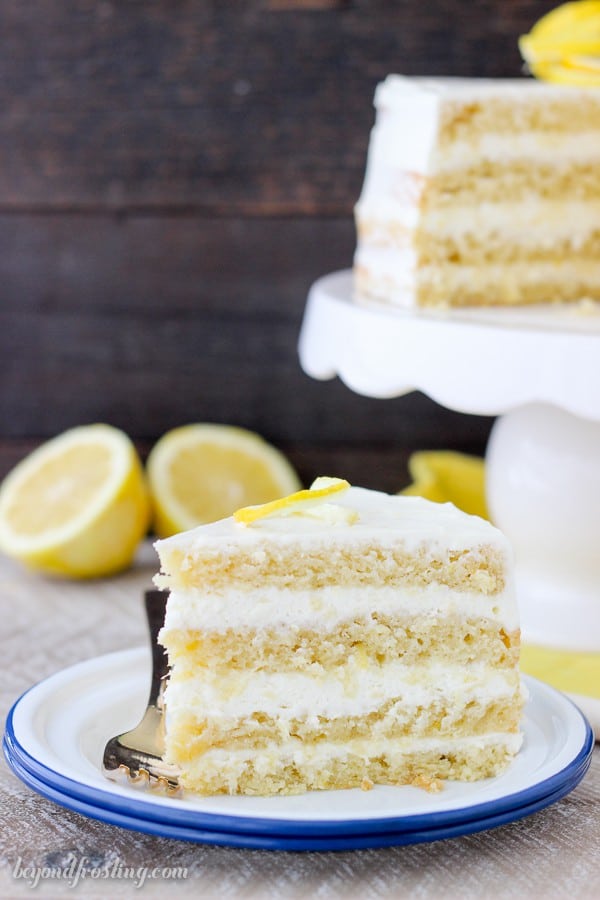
<point x="203" y="472"/>
<point x="77" y="506"/>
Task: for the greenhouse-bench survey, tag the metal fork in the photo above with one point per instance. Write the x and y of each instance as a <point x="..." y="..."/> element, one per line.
<point x="135" y="757"/>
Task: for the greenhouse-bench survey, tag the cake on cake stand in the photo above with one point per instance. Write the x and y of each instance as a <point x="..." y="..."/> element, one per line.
<point x="536" y="368"/>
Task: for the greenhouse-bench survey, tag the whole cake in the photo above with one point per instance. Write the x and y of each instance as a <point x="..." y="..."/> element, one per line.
<point x="480" y="192"/>
<point x="338" y="638"/>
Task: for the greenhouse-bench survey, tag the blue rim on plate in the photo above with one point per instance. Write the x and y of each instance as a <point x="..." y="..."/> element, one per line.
<point x="558" y="784"/>
<point x="32" y="763"/>
<point x="295" y="843"/>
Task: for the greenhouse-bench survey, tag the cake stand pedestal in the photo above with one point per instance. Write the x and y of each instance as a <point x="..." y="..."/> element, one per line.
<point x="538" y="369"/>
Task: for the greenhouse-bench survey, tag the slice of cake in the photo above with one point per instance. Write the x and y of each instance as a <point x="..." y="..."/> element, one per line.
<point x="480" y="192"/>
<point x="337" y="638"/>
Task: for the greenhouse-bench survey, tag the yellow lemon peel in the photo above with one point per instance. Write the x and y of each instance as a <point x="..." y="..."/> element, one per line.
<point x="298" y="502"/>
<point x="447" y="476"/>
<point x="563" y="47"/>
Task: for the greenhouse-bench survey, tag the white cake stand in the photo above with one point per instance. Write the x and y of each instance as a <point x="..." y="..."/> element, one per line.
<point x="539" y="370"/>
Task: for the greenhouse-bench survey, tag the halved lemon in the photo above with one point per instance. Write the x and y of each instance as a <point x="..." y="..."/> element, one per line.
<point x="564" y="45"/>
<point x="77" y="506"/>
<point x="203" y="472"/>
<point x="447" y="476"/>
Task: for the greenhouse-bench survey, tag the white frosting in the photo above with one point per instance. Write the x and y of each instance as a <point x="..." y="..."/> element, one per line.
<point x="326" y="608"/>
<point x="559" y="150"/>
<point x="385" y="519"/>
<point x="395" y="749"/>
<point x="539" y="223"/>
<point x="395" y="148"/>
<point x="354" y="689"/>
<point x="361" y="747"/>
<point x="383" y="210"/>
<point x="396" y="90"/>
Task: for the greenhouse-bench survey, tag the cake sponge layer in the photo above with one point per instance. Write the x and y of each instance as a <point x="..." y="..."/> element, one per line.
<point x="367" y="565"/>
<point x="294" y="768"/>
<point x="486" y="181"/>
<point x="382" y="638"/>
<point x="566" y="281"/>
<point x="524" y="108"/>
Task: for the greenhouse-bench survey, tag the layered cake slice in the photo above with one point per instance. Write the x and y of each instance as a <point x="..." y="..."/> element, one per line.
<point x="337" y="638"/>
<point x="480" y="192"/>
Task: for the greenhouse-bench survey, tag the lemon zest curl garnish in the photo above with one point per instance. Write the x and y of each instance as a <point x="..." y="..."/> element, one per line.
<point x="320" y="489"/>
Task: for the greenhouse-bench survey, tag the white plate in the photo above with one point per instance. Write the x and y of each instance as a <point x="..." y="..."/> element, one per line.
<point x="57" y="732"/>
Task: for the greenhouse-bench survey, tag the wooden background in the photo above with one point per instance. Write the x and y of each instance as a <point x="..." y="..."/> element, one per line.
<point x="173" y="176"/>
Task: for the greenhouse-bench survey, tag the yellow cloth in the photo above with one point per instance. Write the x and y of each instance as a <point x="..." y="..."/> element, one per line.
<point x="569" y="671"/>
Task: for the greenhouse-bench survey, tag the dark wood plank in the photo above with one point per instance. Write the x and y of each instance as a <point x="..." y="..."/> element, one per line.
<point x="188" y="120"/>
<point x="153" y="322"/>
<point x="229" y="108"/>
<point x="377" y="466"/>
<point x="166" y="267"/>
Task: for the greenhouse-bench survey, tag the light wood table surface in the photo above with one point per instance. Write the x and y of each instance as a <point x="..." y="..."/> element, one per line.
<point x="47" y="625"/>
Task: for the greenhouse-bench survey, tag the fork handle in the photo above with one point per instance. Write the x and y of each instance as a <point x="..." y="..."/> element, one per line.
<point x="155" y="601"/>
